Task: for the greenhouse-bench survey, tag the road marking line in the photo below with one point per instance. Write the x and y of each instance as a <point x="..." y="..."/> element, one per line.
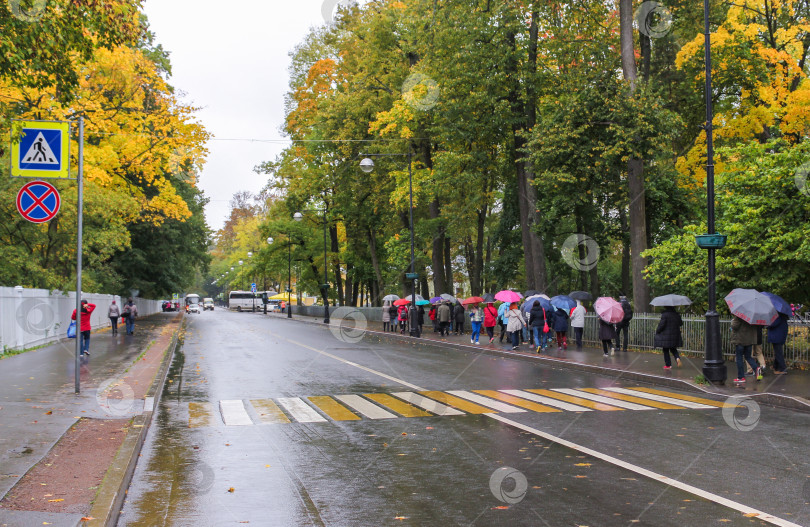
<point x="681" y="402"/>
<point x="428" y="404"/>
<point x="200" y="414"/>
<point x="547" y="400"/>
<point x="457" y="402"/>
<point x="148" y="404"/>
<point x="370" y="410"/>
<point x="300" y="411"/>
<point x="268" y="411"/>
<point x="511" y="399"/>
<point x="576" y="400"/>
<point x="234" y="413"/>
<point x="600" y="399"/>
<point x="333" y="409"/>
<point x="682" y="397"/>
<point x="495" y="405"/>
<point x="629" y="398"/>
<point x="650" y="474"/>
<point x="350" y="363"/>
<point x="407" y="410"/>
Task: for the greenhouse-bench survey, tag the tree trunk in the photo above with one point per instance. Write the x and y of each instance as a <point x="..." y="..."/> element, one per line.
<point x="336" y="265"/>
<point x="625" y="251"/>
<point x="583" y="273"/>
<point x="351" y="287"/>
<point x="375" y="263"/>
<point x="437" y="255"/>
<point x="635" y="169"/>
<point x="476" y="287"/>
<point x="448" y="267"/>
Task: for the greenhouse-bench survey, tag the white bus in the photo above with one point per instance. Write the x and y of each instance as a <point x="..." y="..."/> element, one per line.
<point x="245" y="301"/>
<point x="192" y="299"/>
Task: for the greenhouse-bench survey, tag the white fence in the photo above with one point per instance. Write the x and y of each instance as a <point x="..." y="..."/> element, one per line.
<point x="33" y="317"/>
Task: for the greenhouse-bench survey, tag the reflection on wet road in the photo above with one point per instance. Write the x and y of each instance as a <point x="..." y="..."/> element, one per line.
<point x="274" y="422"/>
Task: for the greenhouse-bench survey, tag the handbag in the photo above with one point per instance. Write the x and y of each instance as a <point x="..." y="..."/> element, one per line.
<point x="546" y="329"/>
<point x="71" y="330"/>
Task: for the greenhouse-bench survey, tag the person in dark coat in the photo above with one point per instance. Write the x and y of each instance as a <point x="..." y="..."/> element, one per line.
<point x="537" y="320"/>
<point x="777" y="335"/>
<point x="623" y="327"/>
<point x="607" y="334"/>
<point x="561" y="328"/>
<point x="458" y="316"/>
<point x="392" y="313"/>
<point x="743" y="338"/>
<point x="668" y="335"/>
<point x="420" y="317"/>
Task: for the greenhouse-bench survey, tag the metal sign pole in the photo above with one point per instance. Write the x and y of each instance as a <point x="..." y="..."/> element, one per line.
<point x="79" y="253"/>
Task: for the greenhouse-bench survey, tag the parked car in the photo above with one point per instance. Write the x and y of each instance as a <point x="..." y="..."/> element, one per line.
<point x="208" y="303"/>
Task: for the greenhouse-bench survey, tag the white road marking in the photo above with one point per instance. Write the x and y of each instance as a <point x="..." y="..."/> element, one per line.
<point x="650" y="474"/>
<point x="602" y="399"/>
<point x="428" y="404"/>
<point x="370" y="410"/>
<point x="547" y="400"/>
<point x="234" y="413"/>
<point x="148" y="404"/>
<point x="661" y="398"/>
<point x="486" y="401"/>
<point x="300" y="411"/>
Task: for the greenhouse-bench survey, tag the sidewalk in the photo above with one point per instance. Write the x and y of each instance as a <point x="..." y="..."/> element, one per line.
<point x="38" y="405"/>
<point x="791" y="390"/>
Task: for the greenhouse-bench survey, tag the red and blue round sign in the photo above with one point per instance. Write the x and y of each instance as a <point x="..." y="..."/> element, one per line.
<point x="38" y="201"/>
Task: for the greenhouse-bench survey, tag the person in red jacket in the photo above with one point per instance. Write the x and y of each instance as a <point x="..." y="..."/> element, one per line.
<point x="85" y="328"/>
<point x="490" y="321"/>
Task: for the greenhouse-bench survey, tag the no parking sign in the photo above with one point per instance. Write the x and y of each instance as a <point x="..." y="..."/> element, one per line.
<point x="38" y="201"/>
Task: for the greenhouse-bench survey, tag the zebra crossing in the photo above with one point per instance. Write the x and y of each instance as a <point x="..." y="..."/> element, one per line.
<point x="382" y="406"/>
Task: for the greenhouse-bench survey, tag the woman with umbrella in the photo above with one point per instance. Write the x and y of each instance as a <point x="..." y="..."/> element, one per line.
<point x="490" y="320"/>
<point x="515" y="322"/>
<point x="476" y="318"/>
<point x="777" y="332"/>
<point x="386" y="315"/>
<point x="392" y="315"/>
<point x="458" y="316"/>
<point x="668" y="334"/>
<point x="750" y="309"/>
<point x="538" y="320"/>
<point x="610" y="312"/>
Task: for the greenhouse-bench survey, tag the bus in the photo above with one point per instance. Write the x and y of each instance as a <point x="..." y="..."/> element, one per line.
<point x="246" y="300"/>
<point x="192" y="299"/>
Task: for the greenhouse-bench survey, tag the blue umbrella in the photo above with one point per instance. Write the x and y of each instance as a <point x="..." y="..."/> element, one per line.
<point x="422" y="302"/>
<point x="779" y="304"/>
<point x="529" y="303"/>
<point x="564" y="302"/>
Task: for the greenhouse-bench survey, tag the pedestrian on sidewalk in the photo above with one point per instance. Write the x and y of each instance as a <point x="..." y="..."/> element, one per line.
<point x="515" y="322"/>
<point x="459" y="315"/>
<point x="490" y="321"/>
<point x="743" y="338"/>
<point x="560" y="321"/>
<point x="420" y="317"/>
<point x="668" y="336"/>
<point x="432" y="316"/>
<point x="578" y="322"/>
<point x="476" y="319"/>
<point x="502" y="309"/>
<point x="756" y="351"/>
<point x="777" y="336"/>
<point x="393" y="315"/>
<point x="623" y="327"/>
<point x="607" y="334"/>
<point x="402" y="316"/>
<point x="130" y="313"/>
<point x="443" y="314"/>
<point x="538" y="320"/>
<point x="84" y="327"/>
<point x="114" y="313"/>
<point x="386" y="315"/>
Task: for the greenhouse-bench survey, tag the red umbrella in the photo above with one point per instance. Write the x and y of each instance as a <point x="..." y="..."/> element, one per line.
<point x="473" y="300"/>
<point x="402" y="302"/>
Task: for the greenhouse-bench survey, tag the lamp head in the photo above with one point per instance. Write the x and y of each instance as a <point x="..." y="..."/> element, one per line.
<point x="298" y="216"/>
<point x="270" y="241"/>
<point x="367" y="165"/>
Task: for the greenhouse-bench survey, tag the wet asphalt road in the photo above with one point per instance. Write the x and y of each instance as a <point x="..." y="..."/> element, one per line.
<point x="206" y="463"/>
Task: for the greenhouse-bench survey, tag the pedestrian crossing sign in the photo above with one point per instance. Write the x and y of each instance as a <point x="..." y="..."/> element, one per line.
<point x="40" y="149"/>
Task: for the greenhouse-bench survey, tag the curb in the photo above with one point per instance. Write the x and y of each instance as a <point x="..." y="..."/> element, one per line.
<point x="110" y="498"/>
<point x="789" y="402"/>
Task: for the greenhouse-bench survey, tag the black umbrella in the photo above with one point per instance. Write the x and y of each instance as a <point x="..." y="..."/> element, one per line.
<point x="488" y="298"/>
<point x="581" y="295"/>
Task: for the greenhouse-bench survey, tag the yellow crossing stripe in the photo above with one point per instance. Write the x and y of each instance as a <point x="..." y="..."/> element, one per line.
<point x="400" y="407"/>
<point x="587" y="403"/>
<point x="517" y="401"/>
<point x="333" y="409"/>
<point x="458" y="402"/>
<point x="700" y="400"/>
<point x="200" y="414"/>
<point x="631" y="399"/>
<point x="268" y="411"/>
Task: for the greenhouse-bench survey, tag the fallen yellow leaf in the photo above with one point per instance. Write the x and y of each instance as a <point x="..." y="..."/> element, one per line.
<point x="58" y="499"/>
<point x="231" y="489"/>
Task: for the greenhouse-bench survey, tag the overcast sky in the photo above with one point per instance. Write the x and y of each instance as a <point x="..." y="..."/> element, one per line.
<point x="231" y="58"/>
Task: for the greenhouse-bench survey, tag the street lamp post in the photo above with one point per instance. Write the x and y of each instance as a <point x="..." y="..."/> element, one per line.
<point x="298" y="216"/>
<point x="714" y="366"/>
<point x="367" y="165"/>
<point x="252" y="292"/>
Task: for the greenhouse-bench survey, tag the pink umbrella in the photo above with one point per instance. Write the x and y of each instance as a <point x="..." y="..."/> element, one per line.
<point x="508" y="296"/>
<point x="608" y="310"/>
